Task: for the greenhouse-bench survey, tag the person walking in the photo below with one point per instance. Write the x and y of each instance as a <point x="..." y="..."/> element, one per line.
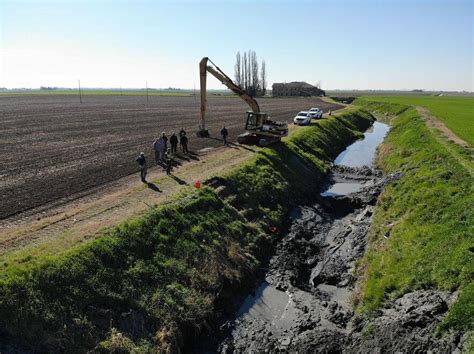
<point x="142" y="165"/>
<point x="165" y="140"/>
<point x="184" y="143"/>
<point x="224" y="134"/>
<point x="169" y="162"/>
<point x="174" y="143"/>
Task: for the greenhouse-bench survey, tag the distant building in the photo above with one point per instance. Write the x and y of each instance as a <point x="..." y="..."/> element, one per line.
<point x="296" y="88"/>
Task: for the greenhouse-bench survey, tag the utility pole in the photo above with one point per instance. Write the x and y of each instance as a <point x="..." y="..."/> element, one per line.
<point x="147" y="92"/>
<point x="80" y="93"/>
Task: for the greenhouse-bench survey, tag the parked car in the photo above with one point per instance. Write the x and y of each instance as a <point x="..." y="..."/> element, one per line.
<point x="316" y="113"/>
<point x="302" y="118"/>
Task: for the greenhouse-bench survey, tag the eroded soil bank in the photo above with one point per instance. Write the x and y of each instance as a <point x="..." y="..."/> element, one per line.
<point x="305" y="302"/>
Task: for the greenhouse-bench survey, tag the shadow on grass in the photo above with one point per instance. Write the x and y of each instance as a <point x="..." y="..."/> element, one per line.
<point x="153" y="187"/>
<point x="179" y="180"/>
<point x="234" y="145"/>
<point x="187" y="156"/>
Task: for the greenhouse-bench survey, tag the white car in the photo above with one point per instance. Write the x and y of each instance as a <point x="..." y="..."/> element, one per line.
<point x="316" y="113"/>
<point x="302" y="118"/>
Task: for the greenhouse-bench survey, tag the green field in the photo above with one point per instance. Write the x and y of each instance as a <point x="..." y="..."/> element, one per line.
<point x="456" y="112"/>
<point x="422" y="233"/>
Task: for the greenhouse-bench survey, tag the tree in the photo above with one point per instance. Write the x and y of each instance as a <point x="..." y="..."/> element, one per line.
<point x="238" y="69"/>
<point x="247" y="74"/>
<point x="254" y="88"/>
<point x="263" y="78"/>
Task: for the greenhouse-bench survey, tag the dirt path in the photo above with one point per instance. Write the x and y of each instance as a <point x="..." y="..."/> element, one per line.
<point x="60" y="225"/>
<point x="447" y="138"/>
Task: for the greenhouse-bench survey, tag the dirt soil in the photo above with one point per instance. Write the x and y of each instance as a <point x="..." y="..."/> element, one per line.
<point x="53" y="149"/>
<point x="305" y="303"/>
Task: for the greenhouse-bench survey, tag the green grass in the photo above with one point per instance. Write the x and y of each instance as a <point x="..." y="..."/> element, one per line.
<point x="165" y="267"/>
<point x="171" y="272"/>
<point x="456" y="112"/>
<point x="422" y="233"/>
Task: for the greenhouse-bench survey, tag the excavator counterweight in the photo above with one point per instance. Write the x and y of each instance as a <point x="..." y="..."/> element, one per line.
<point x="260" y="128"/>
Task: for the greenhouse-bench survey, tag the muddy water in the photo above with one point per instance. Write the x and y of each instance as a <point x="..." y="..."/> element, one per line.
<point x="305" y="302"/>
<point x="342" y="188"/>
<point x="362" y="152"/>
<point x="357" y="155"/>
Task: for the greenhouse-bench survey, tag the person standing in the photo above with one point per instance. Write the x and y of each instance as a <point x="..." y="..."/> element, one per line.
<point x="174" y="143"/>
<point x="142" y="165"/>
<point x="159" y="147"/>
<point x="165" y="140"/>
<point x="224" y="134"/>
<point x="182" y="133"/>
<point x="184" y="143"/>
<point x="169" y="162"/>
<point x="156" y="149"/>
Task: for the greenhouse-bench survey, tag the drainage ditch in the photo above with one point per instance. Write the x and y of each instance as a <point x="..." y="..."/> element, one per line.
<point x="304" y="302"/>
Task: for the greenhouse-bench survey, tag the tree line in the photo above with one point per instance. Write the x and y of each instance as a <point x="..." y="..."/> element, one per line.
<point x="249" y="75"/>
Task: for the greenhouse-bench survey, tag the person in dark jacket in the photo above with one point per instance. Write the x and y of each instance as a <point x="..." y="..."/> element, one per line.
<point x="224" y="134"/>
<point x="182" y="133"/>
<point x="142" y="164"/>
<point x="184" y="143"/>
<point x="174" y="143"/>
<point x="165" y="140"/>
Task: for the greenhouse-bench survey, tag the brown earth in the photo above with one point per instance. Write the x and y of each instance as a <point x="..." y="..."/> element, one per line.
<point x="53" y="149"/>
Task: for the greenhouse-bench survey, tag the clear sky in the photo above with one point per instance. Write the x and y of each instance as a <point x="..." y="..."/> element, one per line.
<point x="357" y="44"/>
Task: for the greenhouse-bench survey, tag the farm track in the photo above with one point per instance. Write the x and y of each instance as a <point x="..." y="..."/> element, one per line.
<point x="446" y="136"/>
<point x="55" y="227"/>
<point x="53" y="149"/>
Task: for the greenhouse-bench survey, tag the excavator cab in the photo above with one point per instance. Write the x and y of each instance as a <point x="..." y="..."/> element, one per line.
<point x="255" y="120"/>
<point x="261" y="130"/>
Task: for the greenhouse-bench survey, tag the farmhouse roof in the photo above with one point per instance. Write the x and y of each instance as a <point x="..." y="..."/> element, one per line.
<point x="294" y="84"/>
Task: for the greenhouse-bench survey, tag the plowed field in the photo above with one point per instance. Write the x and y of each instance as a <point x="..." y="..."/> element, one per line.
<point x="52" y="147"/>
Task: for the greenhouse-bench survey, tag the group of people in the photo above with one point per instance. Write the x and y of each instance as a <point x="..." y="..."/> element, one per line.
<point x="163" y="154"/>
<point x="160" y="145"/>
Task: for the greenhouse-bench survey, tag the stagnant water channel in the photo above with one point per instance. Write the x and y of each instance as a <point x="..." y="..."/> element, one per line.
<point x="304" y="303"/>
<point x="309" y="280"/>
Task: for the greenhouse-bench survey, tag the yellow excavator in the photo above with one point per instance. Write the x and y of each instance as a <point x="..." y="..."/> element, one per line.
<point x="260" y="129"/>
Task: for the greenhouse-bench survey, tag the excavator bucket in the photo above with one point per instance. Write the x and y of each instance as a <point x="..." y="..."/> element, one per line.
<point x="202" y="133"/>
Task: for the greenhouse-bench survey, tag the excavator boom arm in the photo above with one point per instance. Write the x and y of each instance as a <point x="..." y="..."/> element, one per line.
<point x="225" y="80"/>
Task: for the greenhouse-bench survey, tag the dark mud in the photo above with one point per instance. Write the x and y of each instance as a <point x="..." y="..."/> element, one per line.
<point x="304" y="304"/>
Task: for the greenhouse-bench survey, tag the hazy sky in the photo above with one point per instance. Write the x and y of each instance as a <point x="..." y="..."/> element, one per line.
<point x="364" y="44"/>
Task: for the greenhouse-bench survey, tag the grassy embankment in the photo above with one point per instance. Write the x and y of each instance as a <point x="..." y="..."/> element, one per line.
<point x="159" y="280"/>
<point x="455" y="112"/>
<point x="422" y="236"/>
